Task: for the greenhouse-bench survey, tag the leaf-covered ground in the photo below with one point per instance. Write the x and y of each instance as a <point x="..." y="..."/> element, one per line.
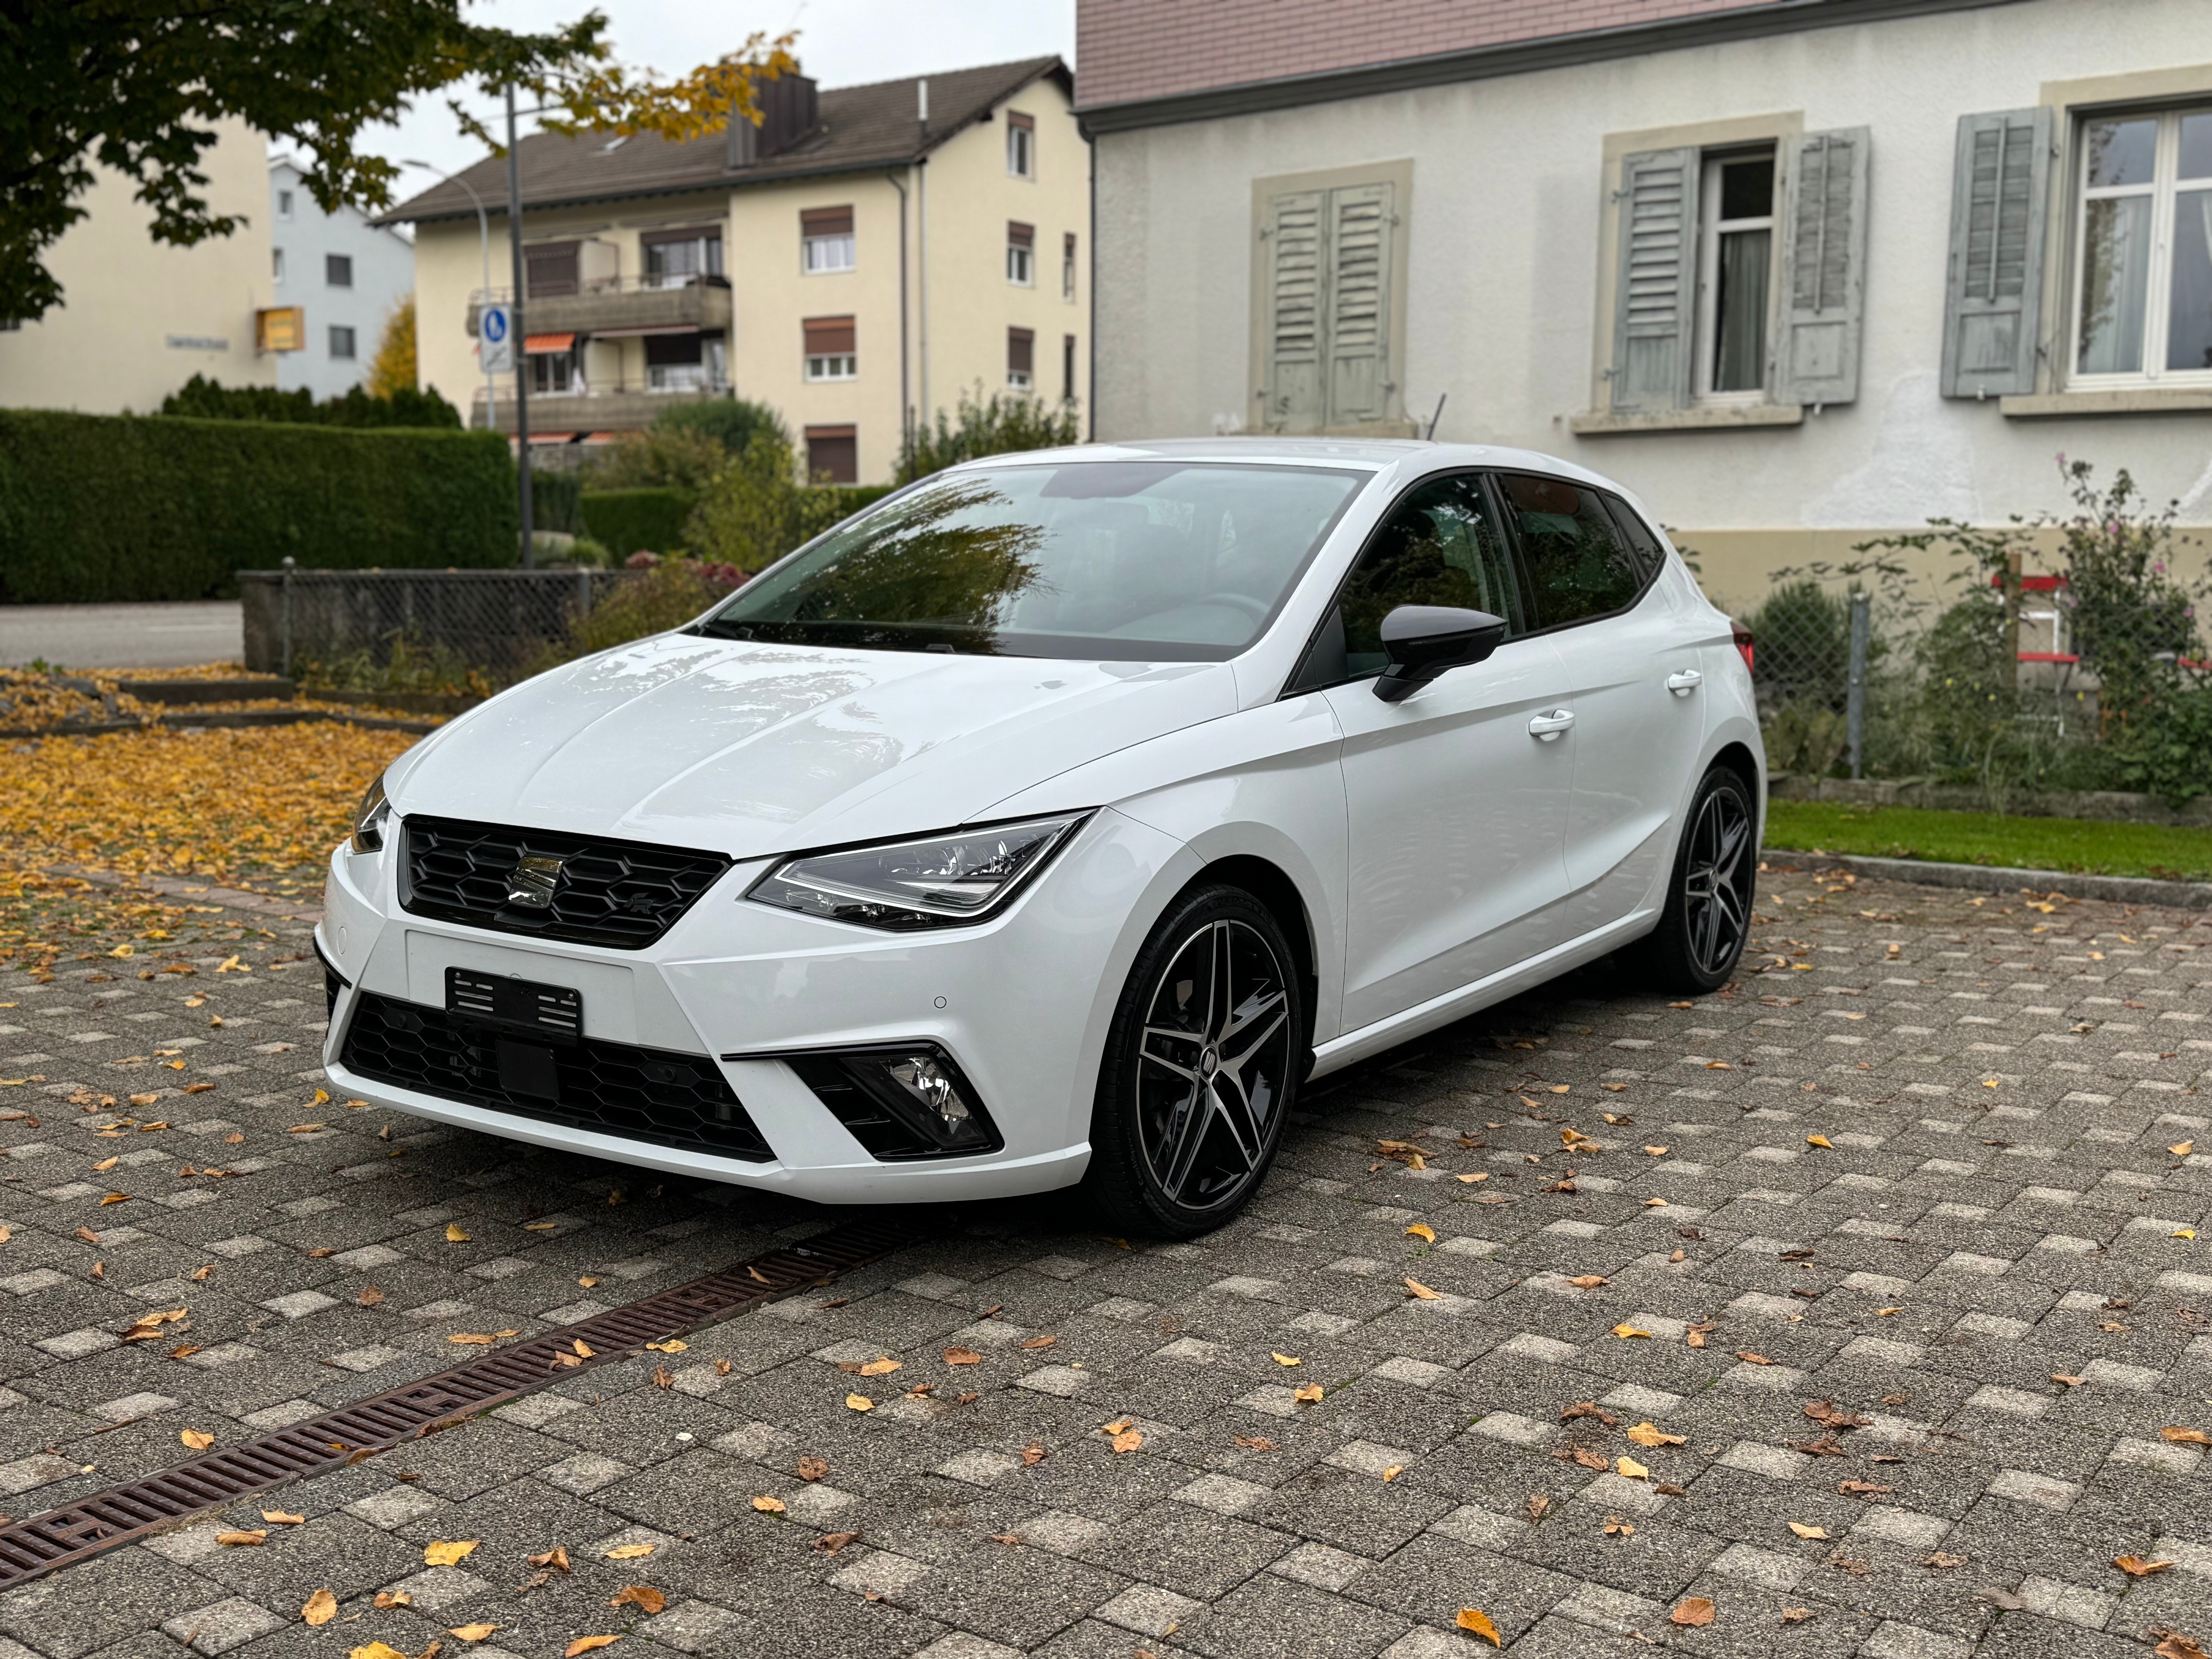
<point x="258" y="809"/>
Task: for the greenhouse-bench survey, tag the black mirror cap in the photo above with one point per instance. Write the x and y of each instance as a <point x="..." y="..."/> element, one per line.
<point x="1425" y="640"/>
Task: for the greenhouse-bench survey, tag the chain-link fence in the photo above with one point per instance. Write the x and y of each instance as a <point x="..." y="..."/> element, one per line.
<point x="425" y="630"/>
<point x="2092" y="673"/>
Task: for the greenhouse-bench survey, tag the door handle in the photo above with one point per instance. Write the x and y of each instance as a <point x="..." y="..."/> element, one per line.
<point x="1688" y="680"/>
<point x="1546" y="728"/>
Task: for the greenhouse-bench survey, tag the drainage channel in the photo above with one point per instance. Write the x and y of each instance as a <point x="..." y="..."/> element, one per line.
<point x="30" y="1549"/>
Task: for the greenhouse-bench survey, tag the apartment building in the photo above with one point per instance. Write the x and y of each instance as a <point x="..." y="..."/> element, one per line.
<point x="856" y="261"/>
<point x="139" y="318"/>
<point x="343" y="276"/>
<point x="1799" y="273"/>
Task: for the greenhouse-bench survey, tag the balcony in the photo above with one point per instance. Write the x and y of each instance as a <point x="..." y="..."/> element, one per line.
<point x="602" y="406"/>
<point x="629" y="304"/>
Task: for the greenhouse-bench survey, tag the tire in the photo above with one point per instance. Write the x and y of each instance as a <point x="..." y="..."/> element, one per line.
<point x="1198" y="1076"/>
<point x="1702" y="931"/>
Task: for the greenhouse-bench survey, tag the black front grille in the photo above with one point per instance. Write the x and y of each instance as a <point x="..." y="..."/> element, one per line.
<point x="619" y="893"/>
<point x="614" y="1088"/>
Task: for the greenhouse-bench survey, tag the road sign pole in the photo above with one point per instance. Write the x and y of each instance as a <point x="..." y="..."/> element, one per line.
<point x="521" y="341"/>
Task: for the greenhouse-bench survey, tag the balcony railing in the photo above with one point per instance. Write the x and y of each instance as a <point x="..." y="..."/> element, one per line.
<point x="602" y="405"/>
<point x="683" y="299"/>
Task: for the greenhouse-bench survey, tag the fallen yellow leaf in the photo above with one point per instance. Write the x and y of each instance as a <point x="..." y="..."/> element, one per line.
<point x="1286" y="1359"/>
<point x="631" y="1551"/>
<point x="859" y="1402"/>
<point x="377" y="1651"/>
<point x="1127" y="1441"/>
<point x="1804" y="1531"/>
<point x="1654" y="1203"/>
<point x="1414" y="1287"/>
<point x="322" y="1607"/>
<point x="1629" y="1468"/>
<point x="1482" y="1176"/>
<point x="116" y="1198"/>
<point x="454" y="1234"/>
<point x="2178" y="1232"/>
<point x="257" y="1536"/>
<point x="643" y="1596"/>
<point x="2182" y="1148"/>
<point x="1820" y="1141"/>
<point x="1588" y="1281"/>
<point x="1627" y="1330"/>
<point x="2136" y="1567"/>
<point x="1308" y="1395"/>
<point x="1422" y="1230"/>
<point x="769" y="1506"/>
<point x="281" y="1517"/>
<point x="588" y="1644"/>
<point x="195" y="1439"/>
<point x="473" y="1633"/>
<point x="440" y="1553"/>
<point x="1644" y="1434"/>
<point x="883" y="1367"/>
<point x="2186" y="1437"/>
<point x="1475" y="1619"/>
<point x="1393" y="1473"/>
<point x="1692" y="1610"/>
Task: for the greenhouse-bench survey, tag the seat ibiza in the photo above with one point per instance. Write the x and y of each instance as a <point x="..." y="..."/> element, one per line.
<point x="1053" y="822"/>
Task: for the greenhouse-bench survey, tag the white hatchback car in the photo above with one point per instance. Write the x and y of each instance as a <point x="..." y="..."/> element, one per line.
<point x="1052" y="821"/>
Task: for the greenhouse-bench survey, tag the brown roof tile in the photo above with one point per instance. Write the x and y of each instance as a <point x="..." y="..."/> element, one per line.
<point x="865" y="126"/>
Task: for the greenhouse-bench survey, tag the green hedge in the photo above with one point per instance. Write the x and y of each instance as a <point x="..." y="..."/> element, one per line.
<point x="97" y="507"/>
<point x="627" y="521"/>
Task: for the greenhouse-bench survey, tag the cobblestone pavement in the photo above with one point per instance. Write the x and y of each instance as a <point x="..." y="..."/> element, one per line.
<point x="1928" y="1177"/>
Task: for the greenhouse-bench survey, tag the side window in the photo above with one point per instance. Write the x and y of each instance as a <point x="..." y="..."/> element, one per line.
<point x="1576" y="563"/>
<point x="1440" y="545"/>
<point x="1650" y="552"/>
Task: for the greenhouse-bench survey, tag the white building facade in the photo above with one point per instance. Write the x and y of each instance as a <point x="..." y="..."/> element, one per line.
<point x="1799" y="276"/>
<point x="345" y="274"/>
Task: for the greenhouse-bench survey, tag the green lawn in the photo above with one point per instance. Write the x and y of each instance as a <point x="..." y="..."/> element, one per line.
<point x="2084" y="845"/>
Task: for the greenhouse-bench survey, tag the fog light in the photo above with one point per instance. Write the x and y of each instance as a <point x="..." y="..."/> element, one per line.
<point x="906" y="1102"/>
<point x="921" y="1076"/>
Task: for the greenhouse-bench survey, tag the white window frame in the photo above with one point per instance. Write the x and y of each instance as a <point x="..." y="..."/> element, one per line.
<point x="564" y="375"/>
<point x="1711" y="228"/>
<point x="815" y="252"/>
<point x="825" y="365"/>
<point x="1021" y="151"/>
<point x="2165" y="188"/>
<point x="1021" y="265"/>
<point x="1018" y="380"/>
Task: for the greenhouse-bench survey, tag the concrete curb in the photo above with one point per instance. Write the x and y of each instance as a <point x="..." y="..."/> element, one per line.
<point x="1998" y="879"/>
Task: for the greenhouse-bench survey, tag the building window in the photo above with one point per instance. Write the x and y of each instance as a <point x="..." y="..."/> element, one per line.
<point x="1021" y="358"/>
<point x="337" y="269"/>
<point x="680" y="259"/>
<point x="833" y="454"/>
<point x="1068" y="268"/>
<point x="1021" y="255"/>
<point x="554" y="372"/>
<point x="276" y="264"/>
<point x="341" y="343"/>
<point x="284" y="205"/>
<point x="1021" y="145"/>
<point x="2142" y="232"/>
<point x="830" y="348"/>
<point x="1735" y="266"/>
<point x="685" y="363"/>
<point x="1068" y="368"/>
<point x="825" y="240"/>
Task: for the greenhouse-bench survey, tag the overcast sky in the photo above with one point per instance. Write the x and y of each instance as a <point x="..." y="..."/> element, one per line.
<point x="841" y="43"/>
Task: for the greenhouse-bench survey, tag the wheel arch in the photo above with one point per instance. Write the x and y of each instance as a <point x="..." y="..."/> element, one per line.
<point x="1272" y="885"/>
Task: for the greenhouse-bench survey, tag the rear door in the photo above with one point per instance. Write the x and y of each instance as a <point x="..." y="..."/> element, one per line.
<point x="1632" y="661"/>
<point x="1456" y="798"/>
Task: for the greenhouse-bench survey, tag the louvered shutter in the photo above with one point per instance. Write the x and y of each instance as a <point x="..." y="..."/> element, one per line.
<point x="1294" y="245"/>
<point x="1993" y="299"/>
<point x="1654" y="302"/>
<point x="1824" y="234"/>
<point x="1360" y="218"/>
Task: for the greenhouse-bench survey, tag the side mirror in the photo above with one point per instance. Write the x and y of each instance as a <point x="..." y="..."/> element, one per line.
<point x="1425" y="640"/>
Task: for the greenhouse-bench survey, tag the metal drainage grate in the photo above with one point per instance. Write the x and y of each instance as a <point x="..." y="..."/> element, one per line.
<point x="30" y="1549"/>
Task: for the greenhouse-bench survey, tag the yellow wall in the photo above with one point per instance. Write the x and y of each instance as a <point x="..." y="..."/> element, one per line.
<point x="971" y="305"/>
<point x="106" y="348"/>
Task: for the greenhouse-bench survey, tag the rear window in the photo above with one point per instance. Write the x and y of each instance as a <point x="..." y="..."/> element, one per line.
<point x="1578" y="564"/>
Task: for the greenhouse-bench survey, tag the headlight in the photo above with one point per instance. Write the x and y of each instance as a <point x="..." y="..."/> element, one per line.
<point x="370" y="818"/>
<point x="945" y="881"/>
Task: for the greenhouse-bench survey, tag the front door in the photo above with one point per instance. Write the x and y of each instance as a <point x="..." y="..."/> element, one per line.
<point x="1456" y="798"/>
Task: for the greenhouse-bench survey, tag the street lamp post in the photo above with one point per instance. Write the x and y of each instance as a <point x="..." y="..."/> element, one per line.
<point x="483" y="248"/>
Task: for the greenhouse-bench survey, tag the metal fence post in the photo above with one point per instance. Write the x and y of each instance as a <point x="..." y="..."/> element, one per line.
<point x="583" y="590"/>
<point x="1855" y="692"/>
<point x="285" y="635"/>
<point x="2013" y="561"/>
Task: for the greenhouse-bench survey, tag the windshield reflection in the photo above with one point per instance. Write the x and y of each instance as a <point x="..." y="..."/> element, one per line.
<point x="1100" y="560"/>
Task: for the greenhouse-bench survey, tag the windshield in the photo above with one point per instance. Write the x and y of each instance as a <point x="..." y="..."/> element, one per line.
<point x="1131" y="561"/>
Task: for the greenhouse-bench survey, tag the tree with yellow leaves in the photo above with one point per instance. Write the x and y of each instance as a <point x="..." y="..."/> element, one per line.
<point x="392" y="370"/>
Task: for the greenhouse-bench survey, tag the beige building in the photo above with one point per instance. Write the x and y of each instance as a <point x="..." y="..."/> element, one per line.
<point x="139" y="318"/>
<point x="857" y="262"/>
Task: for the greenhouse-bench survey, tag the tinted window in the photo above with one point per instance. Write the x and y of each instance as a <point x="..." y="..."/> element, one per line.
<point x="1577" y="565"/>
<point x="1650" y="552"/>
<point x="1129" y="560"/>
<point x="1440" y="545"/>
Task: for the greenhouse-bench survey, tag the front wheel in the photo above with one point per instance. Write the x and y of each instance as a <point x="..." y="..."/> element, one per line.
<point x="1702" y="932"/>
<point x="1201" y="1069"/>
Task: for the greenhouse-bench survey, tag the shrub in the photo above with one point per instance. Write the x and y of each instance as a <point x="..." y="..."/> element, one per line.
<point x="103" y="507"/>
<point x="665" y="594"/>
<point x="757" y="509"/>
<point x="732" y="423"/>
<point x="628" y="521"/>
<point x="687" y="444"/>
<point x="201" y="399"/>
<point x="1000" y="425"/>
<point x="555" y="502"/>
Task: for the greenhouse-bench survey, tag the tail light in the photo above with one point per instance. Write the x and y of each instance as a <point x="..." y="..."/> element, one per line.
<point x="1743" y="644"/>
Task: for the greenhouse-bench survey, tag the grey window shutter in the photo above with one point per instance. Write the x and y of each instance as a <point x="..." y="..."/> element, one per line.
<point x="1296" y="292"/>
<point x="1654" y="302"/>
<point x="1993" y="299"/>
<point x="1824" y="236"/>
<point x="1360" y="220"/>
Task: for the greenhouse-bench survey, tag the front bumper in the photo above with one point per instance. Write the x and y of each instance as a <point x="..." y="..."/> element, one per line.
<point x="1022" y="1002"/>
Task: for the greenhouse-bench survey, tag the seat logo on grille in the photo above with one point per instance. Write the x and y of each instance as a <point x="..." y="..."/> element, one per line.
<point x="530" y="885"/>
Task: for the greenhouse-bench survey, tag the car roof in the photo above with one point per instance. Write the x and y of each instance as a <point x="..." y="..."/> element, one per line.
<point x="1408" y="457"/>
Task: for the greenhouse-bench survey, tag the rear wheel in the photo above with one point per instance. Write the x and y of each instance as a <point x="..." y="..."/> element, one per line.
<point x="1701" y="934"/>
<point x="1201" y="1069"/>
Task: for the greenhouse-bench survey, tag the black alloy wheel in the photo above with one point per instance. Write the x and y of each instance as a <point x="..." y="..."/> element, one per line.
<point x="1202" y="1065"/>
<point x="1707" y="920"/>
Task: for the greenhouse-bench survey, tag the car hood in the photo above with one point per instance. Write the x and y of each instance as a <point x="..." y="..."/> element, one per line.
<point x="749" y="749"/>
